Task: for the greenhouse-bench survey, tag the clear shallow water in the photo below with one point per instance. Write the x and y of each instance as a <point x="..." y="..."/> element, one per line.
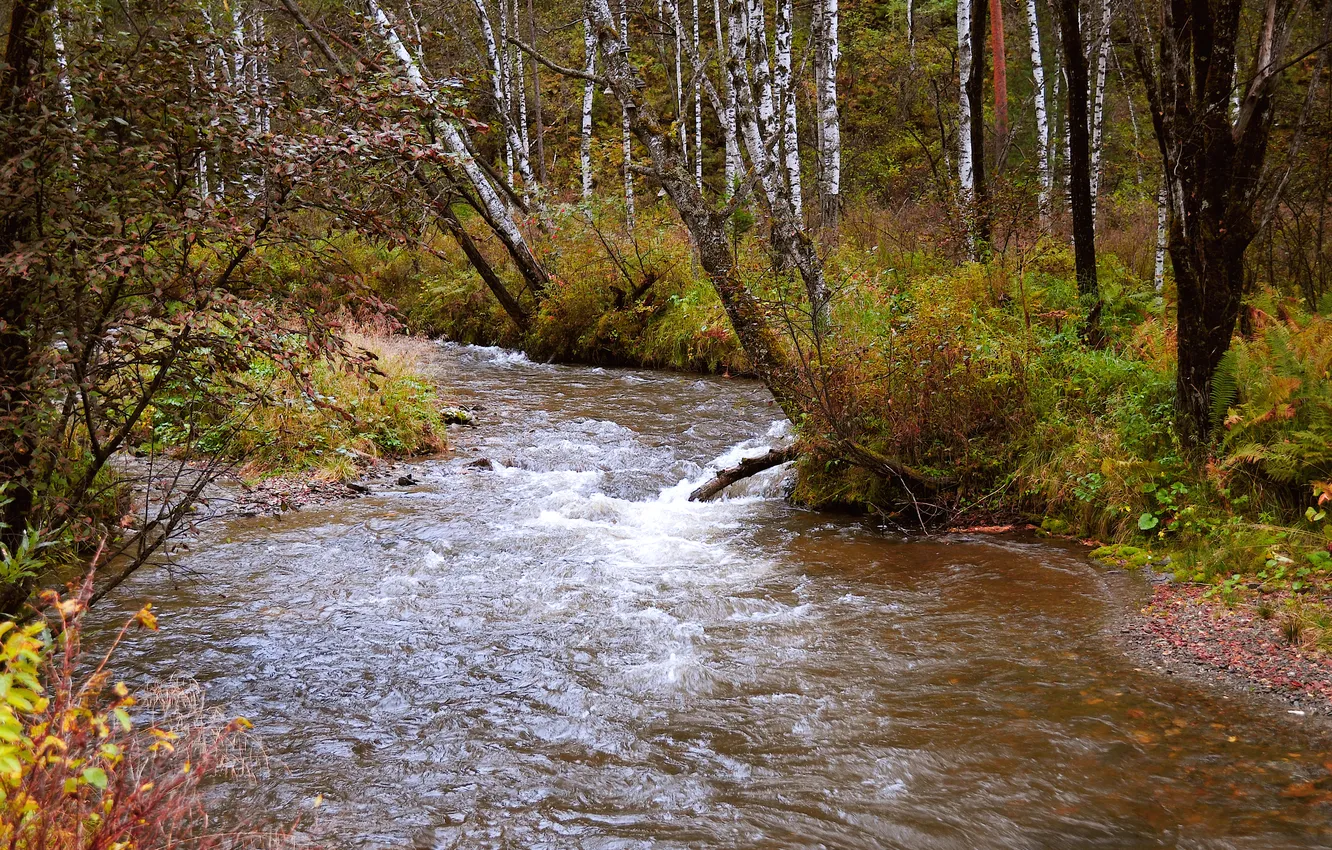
<point x="563" y="652"/>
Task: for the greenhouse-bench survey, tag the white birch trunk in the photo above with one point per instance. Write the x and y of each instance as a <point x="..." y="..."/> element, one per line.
<point x="503" y="103"/>
<point x="589" y="90"/>
<point x="1043" y="159"/>
<point x="1098" y="105"/>
<point x="1159" y="277"/>
<point x="911" y="32"/>
<point x="698" y="111"/>
<point x="966" y="174"/>
<point x="62" y="66"/>
<point x="748" y="121"/>
<point x="506" y="82"/>
<point x="680" y="117"/>
<point x="727" y="120"/>
<point x="787" y="104"/>
<point x="520" y="95"/>
<point x="624" y="123"/>
<point x="452" y="136"/>
<point x="828" y="119"/>
<point x="758" y="51"/>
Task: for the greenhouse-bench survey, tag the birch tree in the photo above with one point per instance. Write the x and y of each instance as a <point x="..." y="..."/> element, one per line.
<point x="698" y="107"/>
<point x="589" y="91"/>
<point x="1103" y="45"/>
<point x="492" y="205"/>
<point x="624" y="123"/>
<point x="496" y="52"/>
<point x="726" y="117"/>
<point x="971" y="121"/>
<point x="786" y="103"/>
<point x="828" y="130"/>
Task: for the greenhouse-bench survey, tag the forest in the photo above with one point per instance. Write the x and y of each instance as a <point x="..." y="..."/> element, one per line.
<point x="1053" y="268"/>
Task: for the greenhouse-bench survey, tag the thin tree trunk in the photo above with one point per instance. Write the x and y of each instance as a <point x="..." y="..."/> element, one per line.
<point x="624" y="121"/>
<point x="966" y="173"/>
<point x="787" y="104"/>
<point x="1158" y="277"/>
<point x="494" y="206"/>
<point x="499" y="62"/>
<point x="1000" y="82"/>
<point x="1079" y="162"/>
<point x="911" y="33"/>
<point x="1098" y="108"/>
<point x="730" y="138"/>
<point x="1044" y="163"/>
<point x="536" y="100"/>
<point x="827" y="56"/>
<point x="680" y="115"/>
<point x="971" y="127"/>
<point x="698" y="110"/>
<point x="589" y="91"/>
<point x="520" y="98"/>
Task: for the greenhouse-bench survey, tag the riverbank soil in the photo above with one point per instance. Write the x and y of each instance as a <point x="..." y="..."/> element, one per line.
<point x="1268" y="644"/>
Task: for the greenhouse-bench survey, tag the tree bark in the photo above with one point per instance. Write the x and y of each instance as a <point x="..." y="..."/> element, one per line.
<point x="542" y="177"/>
<point x="1098" y="107"/>
<point x="589" y="92"/>
<point x="1000" y="81"/>
<point x="1079" y="161"/>
<point x="746" y="468"/>
<point x="1213" y="169"/>
<point x="17" y="394"/>
<point x="1044" y="162"/>
<point x="827" y="56"/>
<point x="786" y="104"/>
<point x="976" y="98"/>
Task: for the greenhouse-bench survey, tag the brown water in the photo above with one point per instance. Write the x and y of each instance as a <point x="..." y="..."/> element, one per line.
<point x="564" y="653"/>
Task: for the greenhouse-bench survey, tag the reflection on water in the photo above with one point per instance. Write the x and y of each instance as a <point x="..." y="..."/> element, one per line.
<point x="563" y="652"/>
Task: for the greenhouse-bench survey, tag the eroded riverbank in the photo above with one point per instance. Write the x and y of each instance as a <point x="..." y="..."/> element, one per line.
<point x="560" y="651"/>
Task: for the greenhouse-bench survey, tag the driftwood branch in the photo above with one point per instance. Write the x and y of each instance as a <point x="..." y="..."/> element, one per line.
<point x="742" y="470"/>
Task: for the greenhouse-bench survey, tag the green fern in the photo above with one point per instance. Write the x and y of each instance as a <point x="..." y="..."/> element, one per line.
<point x="1225" y="386"/>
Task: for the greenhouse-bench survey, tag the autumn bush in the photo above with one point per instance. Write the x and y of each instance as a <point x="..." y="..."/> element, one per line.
<point x="86" y="764"/>
<point x="316" y="414"/>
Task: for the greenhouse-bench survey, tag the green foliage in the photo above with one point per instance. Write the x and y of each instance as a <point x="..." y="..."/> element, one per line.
<point x="327" y="416"/>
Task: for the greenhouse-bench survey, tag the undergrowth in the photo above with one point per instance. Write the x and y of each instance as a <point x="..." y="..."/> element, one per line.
<point x="324" y="416"/>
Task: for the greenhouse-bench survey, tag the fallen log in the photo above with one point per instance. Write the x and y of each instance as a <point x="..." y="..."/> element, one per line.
<point x="742" y="470"/>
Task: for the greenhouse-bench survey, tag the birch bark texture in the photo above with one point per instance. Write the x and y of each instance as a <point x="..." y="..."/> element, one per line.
<point x="1044" y="163"/>
<point x="493" y="206"/>
<point x="786" y="103"/>
<point x="828" y="127"/>
<point x="1103" y="44"/>
<point x="589" y="93"/>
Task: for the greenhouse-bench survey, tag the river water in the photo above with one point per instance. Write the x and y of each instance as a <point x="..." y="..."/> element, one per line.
<point x="562" y="652"/>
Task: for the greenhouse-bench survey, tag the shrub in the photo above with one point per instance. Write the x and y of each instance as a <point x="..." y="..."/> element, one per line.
<point x="83" y="764"/>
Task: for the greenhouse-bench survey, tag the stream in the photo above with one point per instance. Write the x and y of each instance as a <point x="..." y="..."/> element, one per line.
<point x="563" y="652"/>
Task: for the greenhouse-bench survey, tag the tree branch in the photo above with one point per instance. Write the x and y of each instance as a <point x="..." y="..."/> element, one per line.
<point x="559" y="69"/>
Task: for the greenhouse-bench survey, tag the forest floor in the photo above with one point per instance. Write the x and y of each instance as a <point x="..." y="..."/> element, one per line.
<point x="1256" y="644"/>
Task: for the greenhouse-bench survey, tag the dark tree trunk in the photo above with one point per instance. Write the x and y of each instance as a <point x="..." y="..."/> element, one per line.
<point x="1079" y="162"/>
<point x="975" y="84"/>
<point x="17" y="225"/>
<point x="1209" y="275"/>
<point x="1214" y="174"/>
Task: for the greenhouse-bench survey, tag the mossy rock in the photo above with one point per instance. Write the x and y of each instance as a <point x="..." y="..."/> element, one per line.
<point x="1122" y="555"/>
<point x="1054" y="526"/>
